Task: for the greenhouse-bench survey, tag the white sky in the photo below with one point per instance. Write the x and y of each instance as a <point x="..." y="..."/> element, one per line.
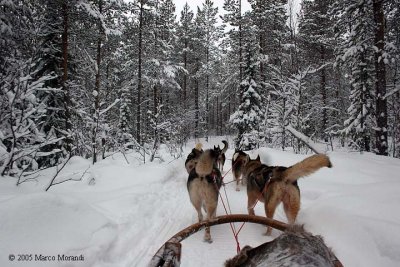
<point x="219" y="3"/>
<point x="194" y="3"/>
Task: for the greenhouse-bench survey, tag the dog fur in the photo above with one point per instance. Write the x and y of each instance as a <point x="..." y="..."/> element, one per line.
<point x="203" y="186"/>
<point x="239" y="160"/>
<point x="222" y="157"/>
<point x="275" y="184"/>
<point x="193" y="157"/>
<point x="295" y="247"/>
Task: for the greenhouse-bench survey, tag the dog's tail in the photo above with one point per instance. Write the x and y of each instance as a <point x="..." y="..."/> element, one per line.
<point x="199" y="146"/>
<point x="225" y="146"/>
<point x="205" y="164"/>
<point x="305" y="167"/>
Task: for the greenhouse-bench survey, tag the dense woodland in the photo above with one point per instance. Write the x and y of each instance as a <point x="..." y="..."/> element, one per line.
<point x="92" y="77"/>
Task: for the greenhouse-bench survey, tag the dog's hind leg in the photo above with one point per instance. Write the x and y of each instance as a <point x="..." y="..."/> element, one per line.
<point x="272" y="201"/>
<point x="251" y="201"/>
<point x="199" y="214"/>
<point x="291" y="203"/>
<point x="197" y="204"/>
<point x="211" y="206"/>
<point x="236" y="176"/>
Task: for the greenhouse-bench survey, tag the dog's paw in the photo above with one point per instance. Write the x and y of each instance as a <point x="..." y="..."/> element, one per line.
<point x="208" y="241"/>
<point x="268" y="232"/>
<point x="207" y="238"/>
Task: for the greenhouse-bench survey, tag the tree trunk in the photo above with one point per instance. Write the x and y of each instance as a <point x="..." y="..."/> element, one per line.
<point x="97" y="89"/>
<point x="381" y="135"/>
<point x="155" y="111"/>
<point x="139" y="88"/>
<point x="240" y="44"/>
<point x="67" y="99"/>
<point x="207" y="96"/>
<point x="196" y="100"/>
<point x="184" y="87"/>
<point x="323" y="93"/>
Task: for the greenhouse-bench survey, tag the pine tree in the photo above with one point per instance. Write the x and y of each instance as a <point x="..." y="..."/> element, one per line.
<point x="317" y="38"/>
<point x="357" y="53"/>
<point x="234" y="18"/>
<point x="185" y="55"/>
<point x="185" y="34"/>
<point x="21" y="133"/>
<point x="393" y="74"/>
<point x="249" y="115"/>
<point x="381" y="130"/>
<point x="208" y="34"/>
<point x="270" y="19"/>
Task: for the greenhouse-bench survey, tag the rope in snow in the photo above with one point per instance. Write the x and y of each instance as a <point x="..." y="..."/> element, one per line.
<point x="261" y="194"/>
<point x="233" y="228"/>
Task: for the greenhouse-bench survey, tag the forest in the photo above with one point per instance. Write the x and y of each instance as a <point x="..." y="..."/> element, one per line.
<point x="92" y="77"/>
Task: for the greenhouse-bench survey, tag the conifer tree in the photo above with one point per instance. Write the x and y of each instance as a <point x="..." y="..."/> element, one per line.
<point x="357" y="53"/>
<point x="317" y="43"/>
<point x="248" y="117"/>
<point x="208" y="34"/>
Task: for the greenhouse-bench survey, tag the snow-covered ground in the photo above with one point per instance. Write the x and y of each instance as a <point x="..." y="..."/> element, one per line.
<point x="120" y="213"/>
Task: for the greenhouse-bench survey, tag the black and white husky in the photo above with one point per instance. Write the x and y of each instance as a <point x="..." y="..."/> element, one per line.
<point x="203" y="186"/>
<point x="221" y="158"/>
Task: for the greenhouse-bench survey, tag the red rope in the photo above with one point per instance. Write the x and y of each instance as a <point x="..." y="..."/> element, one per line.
<point x="226" y="211"/>
<point x="229" y="169"/>
<point x="229" y="206"/>
<point x="233" y="228"/>
<point x="231" y="182"/>
<point x="261" y="193"/>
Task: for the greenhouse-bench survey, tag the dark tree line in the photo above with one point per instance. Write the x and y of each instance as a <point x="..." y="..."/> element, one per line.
<point x="94" y="76"/>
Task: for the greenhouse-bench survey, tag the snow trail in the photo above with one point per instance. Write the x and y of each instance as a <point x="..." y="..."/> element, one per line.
<point x="120" y="214"/>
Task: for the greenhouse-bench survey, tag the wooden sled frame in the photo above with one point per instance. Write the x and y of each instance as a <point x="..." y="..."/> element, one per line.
<point x="169" y="254"/>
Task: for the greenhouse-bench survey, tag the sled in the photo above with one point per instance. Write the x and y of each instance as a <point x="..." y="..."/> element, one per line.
<point x="169" y="254"/>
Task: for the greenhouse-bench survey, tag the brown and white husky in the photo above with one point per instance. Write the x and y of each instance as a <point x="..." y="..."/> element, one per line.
<point x="275" y="184"/>
<point x="239" y="160"/>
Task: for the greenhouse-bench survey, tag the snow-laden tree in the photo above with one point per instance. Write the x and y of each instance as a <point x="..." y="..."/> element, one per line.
<point x="208" y="33"/>
<point x="26" y="141"/>
<point x="233" y="17"/>
<point x="301" y="110"/>
<point x="361" y="25"/>
<point x="316" y="40"/>
<point x="184" y="44"/>
<point x="392" y="48"/>
<point x="249" y="115"/>
<point x="356" y="51"/>
<point x="184" y="55"/>
<point x="161" y="74"/>
<point x="270" y="19"/>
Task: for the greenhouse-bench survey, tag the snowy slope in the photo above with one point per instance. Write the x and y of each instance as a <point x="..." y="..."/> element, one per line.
<point x="120" y="213"/>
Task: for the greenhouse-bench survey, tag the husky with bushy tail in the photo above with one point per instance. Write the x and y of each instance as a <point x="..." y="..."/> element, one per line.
<point x="203" y="186"/>
<point x="275" y="184"/>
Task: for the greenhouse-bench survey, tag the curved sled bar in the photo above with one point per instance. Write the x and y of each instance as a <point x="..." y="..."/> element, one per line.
<point x="170" y="253"/>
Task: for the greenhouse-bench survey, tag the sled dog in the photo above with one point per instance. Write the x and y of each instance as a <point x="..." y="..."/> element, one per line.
<point x="239" y="160"/>
<point x="193" y="157"/>
<point x="295" y="247"/>
<point x="221" y="157"/>
<point x="203" y="186"/>
<point x="275" y="184"/>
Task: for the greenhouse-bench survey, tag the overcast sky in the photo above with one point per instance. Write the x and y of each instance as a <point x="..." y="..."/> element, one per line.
<point x="219" y="3"/>
<point x="194" y="3"/>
